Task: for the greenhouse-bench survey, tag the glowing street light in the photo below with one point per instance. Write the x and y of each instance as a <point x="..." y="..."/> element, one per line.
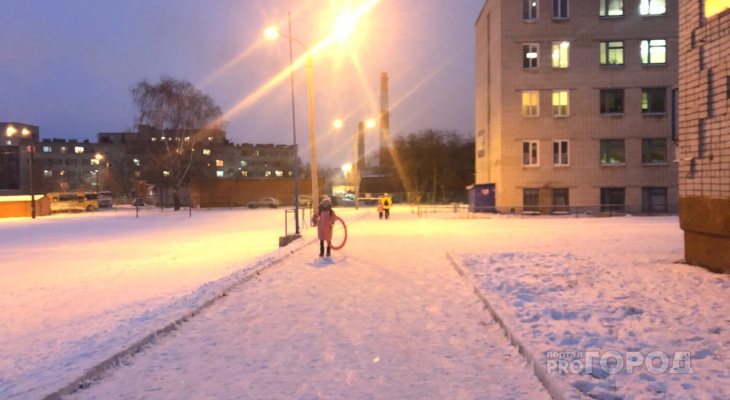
<point x="337" y="124"/>
<point x="356" y="165"/>
<point x="10" y="131"/>
<point x="98" y="157"/>
<point x="346" y="168"/>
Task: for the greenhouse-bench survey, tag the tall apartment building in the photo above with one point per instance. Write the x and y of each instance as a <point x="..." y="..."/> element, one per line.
<point x="704" y="132"/>
<point x="574" y="104"/>
<point x="15" y="153"/>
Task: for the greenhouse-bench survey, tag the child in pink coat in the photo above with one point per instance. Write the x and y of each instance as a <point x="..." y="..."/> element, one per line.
<point x="324" y="219"/>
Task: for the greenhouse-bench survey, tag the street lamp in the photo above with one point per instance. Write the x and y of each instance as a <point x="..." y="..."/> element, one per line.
<point x="10" y="131"/>
<point x="273" y="33"/>
<point x="98" y="157"/>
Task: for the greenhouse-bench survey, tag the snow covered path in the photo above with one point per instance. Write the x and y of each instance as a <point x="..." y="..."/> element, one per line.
<point x="386" y="317"/>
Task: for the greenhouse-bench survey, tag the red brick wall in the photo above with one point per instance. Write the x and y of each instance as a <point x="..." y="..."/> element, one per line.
<point x="239" y="192"/>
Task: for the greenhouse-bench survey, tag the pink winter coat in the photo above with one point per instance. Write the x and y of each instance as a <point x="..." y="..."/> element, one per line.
<point x="325" y="219"/>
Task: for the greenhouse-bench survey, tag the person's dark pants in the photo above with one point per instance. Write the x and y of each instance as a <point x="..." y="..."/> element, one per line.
<point x="387" y="213"/>
<point x="380" y="215"/>
<point x="321" y="248"/>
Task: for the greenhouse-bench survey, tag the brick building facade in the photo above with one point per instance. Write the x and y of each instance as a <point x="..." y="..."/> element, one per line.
<point x="704" y="132"/>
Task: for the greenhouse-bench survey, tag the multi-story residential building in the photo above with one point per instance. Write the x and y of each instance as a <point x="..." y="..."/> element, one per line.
<point x="67" y="165"/>
<point x="15" y="153"/>
<point x="704" y="132"/>
<point x="574" y="104"/>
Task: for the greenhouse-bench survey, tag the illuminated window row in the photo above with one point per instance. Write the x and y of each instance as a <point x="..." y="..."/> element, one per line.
<point x="612" y="152"/>
<point x="560" y="9"/>
<point x="611" y="102"/>
<point x="611" y="53"/>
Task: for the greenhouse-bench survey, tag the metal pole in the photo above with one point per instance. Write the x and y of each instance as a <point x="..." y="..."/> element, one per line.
<point x="356" y="170"/>
<point x="32" y="190"/>
<point x="312" y="138"/>
<point x="294" y="131"/>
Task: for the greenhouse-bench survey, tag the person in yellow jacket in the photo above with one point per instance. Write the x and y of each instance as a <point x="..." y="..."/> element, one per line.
<point x="386" y="202"/>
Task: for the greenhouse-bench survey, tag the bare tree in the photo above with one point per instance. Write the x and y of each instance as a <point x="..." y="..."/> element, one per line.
<point x="184" y="116"/>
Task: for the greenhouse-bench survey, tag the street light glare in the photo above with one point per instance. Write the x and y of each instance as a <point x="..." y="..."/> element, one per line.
<point x="344" y="26"/>
<point x="98" y="156"/>
<point x="337" y="124"/>
<point x="25" y="131"/>
<point x="370" y="123"/>
<point x="347" y="168"/>
<point x="11" y="131"/>
<point x="271" y="32"/>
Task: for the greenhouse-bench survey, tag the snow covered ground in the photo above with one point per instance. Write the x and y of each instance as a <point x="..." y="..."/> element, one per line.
<point x="387" y="317"/>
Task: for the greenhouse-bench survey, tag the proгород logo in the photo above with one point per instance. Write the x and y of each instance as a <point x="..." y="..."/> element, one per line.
<point x="614" y="362"/>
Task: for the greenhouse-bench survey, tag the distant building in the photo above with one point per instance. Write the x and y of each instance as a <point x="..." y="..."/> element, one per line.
<point x="704" y="132"/>
<point x="574" y="104"/>
<point x="15" y="147"/>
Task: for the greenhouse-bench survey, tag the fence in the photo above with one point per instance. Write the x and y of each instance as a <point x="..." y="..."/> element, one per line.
<point x="604" y="210"/>
<point x="305" y="218"/>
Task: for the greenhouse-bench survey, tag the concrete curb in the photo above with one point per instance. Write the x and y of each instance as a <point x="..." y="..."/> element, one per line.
<point x="94" y="373"/>
<point x="557" y="389"/>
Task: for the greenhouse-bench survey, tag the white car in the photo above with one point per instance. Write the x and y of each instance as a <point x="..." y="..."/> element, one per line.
<point x="264" y="202"/>
<point x="305" y="200"/>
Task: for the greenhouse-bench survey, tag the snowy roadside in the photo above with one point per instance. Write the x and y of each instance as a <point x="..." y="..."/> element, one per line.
<point x="574" y="305"/>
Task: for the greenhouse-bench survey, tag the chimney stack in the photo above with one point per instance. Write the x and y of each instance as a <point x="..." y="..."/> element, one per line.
<point x="384" y="151"/>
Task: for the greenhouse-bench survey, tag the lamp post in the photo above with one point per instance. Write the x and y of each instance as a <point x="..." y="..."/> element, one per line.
<point x="273" y="33"/>
<point x="98" y="157"/>
<point x="10" y="131"/>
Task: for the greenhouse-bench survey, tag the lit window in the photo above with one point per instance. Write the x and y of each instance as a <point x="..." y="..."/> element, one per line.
<point x="654" y="151"/>
<point x="612" y="152"/>
<point x="210" y="138"/>
<point x="187" y="138"/>
<point x="529" y="10"/>
<point x="529" y="55"/>
<point x="47" y="173"/>
<point x="162" y="138"/>
<point x="268" y="174"/>
<point x="62" y="173"/>
<point x="166" y="173"/>
<point x="206" y="152"/>
<point x="154" y="139"/>
<point x="218" y="163"/>
<point x="530" y="104"/>
<point x="136" y="162"/>
<point x="290" y="173"/>
<point x="654" y="101"/>
<point x="653" y="7"/>
<point x="612" y="53"/>
<point x="530" y="155"/>
<point x="611" y="8"/>
<point x="137" y="174"/>
<point x="560" y="9"/>
<point x="244" y="173"/>
<point x="62" y="149"/>
<point x="279" y="173"/>
<point x="654" y="51"/>
<point x="560" y="103"/>
<point x="256" y="152"/>
<point x="47" y="149"/>
<point x="219" y="174"/>
<point x="9" y="142"/>
<point x="560" y="54"/>
<point x="612" y="101"/>
<point x="94" y="161"/>
<point x="561" y="155"/>
<point x="243" y="163"/>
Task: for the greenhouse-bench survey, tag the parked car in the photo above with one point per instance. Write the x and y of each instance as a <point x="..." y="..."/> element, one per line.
<point x="305" y="200"/>
<point x="105" y="199"/>
<point x="264" y="202"/>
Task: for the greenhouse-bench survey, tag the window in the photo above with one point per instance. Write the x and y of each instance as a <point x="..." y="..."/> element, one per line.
<point x="136" y="162"/>
<point x="530" y="154"/>
<point x="78" y="149"/>
<point x="279" y="173"/>
<point x="529" y="10"/>
<point x="612" y="53"/>
<point x="560" y="9"/>
<point x="530" y="200"/>
<point x="561" y="155"/>
<point x="47" y="149"/>
<point x="612" y="101"/>
<point x="219" y="174"/>
<point x="560" y="54"/>
<point x="612" y="152"/>
<point x="529" y="55"/>
<point x="47" y="173"/>
<point x="653" y="7"/>
<point x="268" y="174"/>
<point x="166" y="174"/>
<point x="654" y="199"/>
<point x="654" y="151"/>
<point x="94" y="161"/>
<point x="613" y="199"/>
<point x="137" y="174"/>
<point x="206" y="152"/>
<point x="611" y="8"/>
<point x="62" y="149"/>
<point x="154" y="139"/>
<point x="561" y="200"/>
<point x="218" y="163"/>
<point x="654" y="101"/>
<point x="244" y="174"/>
<point x="530" y="104"/>
<point x="653" y="51"/>
<point x="243" y="163"/>
<point x="210" y="138"/>
<point x="560" y="103"/>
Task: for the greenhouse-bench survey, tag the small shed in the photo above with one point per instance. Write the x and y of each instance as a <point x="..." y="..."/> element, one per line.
<point x="20" y="206"/>
<point x="482" y="198"/>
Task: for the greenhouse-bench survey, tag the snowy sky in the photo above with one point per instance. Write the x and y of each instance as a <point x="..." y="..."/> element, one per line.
<point x="67" y="66"/>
